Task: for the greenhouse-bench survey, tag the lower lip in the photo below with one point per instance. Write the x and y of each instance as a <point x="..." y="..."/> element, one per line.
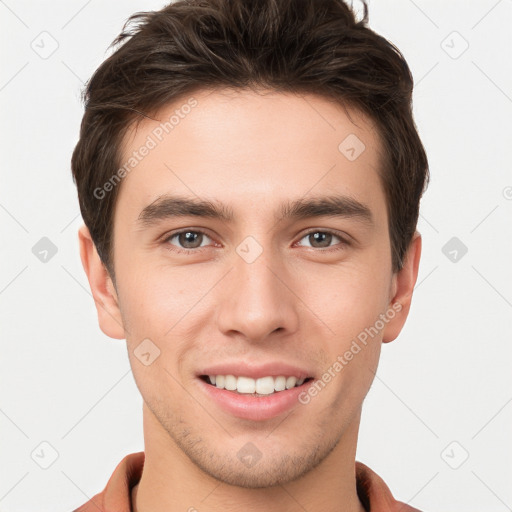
<point x="256" y="408"/>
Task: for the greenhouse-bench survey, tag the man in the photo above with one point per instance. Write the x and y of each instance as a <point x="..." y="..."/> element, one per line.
<point x="249" y="174"/>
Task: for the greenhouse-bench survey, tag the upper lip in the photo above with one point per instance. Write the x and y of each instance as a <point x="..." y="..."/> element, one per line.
<point x="256" y="371"/>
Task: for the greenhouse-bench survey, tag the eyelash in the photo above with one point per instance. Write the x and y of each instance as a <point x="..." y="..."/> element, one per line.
<point x="190" y="252"/>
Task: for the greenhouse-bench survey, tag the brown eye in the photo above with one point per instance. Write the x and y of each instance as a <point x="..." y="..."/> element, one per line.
<point x="320" y="239"/>
<point x="323" y="239"/>
<point x="187" y="239"/>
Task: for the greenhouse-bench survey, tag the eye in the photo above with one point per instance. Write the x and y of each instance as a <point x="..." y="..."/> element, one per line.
<point x="321" y="239"/>
<point x="187" y="239"/>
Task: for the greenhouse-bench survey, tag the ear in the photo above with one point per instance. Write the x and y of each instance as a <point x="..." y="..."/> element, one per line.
<point x="102" y="288"/>
<point x="402" y="289"/>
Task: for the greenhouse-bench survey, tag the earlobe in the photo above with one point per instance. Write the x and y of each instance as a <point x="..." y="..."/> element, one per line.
<point x="102" y="288"/>
<point x="403" y="287"/>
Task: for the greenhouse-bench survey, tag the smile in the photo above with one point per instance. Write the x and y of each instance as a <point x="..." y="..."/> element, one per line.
<point x="262" y="386"/>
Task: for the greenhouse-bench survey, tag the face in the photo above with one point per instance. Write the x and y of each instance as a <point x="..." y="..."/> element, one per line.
<point x="281" y="269"/>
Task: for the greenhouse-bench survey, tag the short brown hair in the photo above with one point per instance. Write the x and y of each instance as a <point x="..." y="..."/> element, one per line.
<point x="297" y="46"/>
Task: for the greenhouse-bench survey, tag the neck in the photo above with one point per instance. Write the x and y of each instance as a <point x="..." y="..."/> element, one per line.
<point x="171" y="481"/>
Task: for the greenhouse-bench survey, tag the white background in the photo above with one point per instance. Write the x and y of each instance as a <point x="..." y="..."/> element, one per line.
<point x="448" y="376"/>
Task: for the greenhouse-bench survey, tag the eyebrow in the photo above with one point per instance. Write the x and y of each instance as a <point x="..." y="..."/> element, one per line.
<point x="168" y="206"/>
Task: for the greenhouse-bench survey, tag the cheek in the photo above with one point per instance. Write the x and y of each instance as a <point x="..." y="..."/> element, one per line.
<point x="162" y="307"/>
<point x="155" y="314"/>
<point x="347" y="299"/>
<point x="153" y="300"/>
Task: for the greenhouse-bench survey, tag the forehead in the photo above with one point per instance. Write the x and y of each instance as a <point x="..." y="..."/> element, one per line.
<point x="249" y="149"/>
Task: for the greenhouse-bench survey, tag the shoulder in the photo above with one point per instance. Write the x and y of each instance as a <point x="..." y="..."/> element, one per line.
<point x="115" y="497"/>
<point x="375" y="494"/>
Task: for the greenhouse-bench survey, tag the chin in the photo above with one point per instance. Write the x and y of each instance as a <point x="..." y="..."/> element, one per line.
<point x="258" y="463"/>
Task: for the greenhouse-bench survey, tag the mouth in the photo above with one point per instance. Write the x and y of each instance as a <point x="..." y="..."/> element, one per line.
<point x="260" y="387"/>
<point x="254" y="391"/>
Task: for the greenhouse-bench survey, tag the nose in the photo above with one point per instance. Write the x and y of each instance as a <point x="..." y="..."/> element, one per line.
<point x="256" y="300"/>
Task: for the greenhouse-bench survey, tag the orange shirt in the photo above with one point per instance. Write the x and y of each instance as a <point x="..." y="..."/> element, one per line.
<point x="116" y="497"/>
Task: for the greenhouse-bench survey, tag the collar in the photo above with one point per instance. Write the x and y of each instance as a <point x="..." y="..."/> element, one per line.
<point x="373" y="493"/>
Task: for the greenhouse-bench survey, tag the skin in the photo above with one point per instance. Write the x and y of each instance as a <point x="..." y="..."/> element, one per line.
<point x="296" y="302"/>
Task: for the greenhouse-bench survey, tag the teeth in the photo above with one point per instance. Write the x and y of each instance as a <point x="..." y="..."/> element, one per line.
<point x="230" y="382"/>
<point x="290" y="382"/>
<point x="280" y="383"/>
<point x="245" y="385"/>
<point x="265" y="386"/>
<point x="261" y="386"/>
